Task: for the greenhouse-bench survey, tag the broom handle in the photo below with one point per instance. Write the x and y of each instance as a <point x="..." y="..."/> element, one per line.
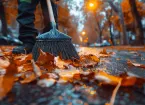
<point x="50" y="11"/>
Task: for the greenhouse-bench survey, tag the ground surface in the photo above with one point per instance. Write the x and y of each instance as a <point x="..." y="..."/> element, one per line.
<point x="89" y="93"/>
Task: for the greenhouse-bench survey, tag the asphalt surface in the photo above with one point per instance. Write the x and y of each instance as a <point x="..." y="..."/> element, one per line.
<point x="87" y="94"/>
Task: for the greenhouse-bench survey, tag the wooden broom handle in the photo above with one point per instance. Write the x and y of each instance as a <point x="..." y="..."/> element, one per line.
<point x="50" y="11"/>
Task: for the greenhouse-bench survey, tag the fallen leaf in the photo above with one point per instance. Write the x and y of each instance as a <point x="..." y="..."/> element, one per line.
<point x="8" y="53"/>
<point x="36" y="69"/>
<point x="28" y="77"/>
<point x="104" y="52"/>
<point x="89" y="61"/>
<point x="94" y="58"/>
<point x="105" y="78"/>
<point x="2" y="71"/>
<point x="46" y="60"/>
<point x="62" y="81"/>
<point x="67" y="75"/>
<point x="25" y="67"/>
<point x="8" y="80"/>
<point x="135" y="64"/>
<point x="61" y="64"/>
<point x="4" y="63"/>
<point x="46" y="82"/>
<point x="128" y="81"/>
<point x="22" y="59"/>
<point x="53" y="75"/>
<point x="114" y="94"/>
<point x="118" y="59"/>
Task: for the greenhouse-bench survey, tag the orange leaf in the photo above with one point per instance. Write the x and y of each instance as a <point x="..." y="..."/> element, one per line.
<point x="103" y="51"/>
<point x="22" y="59"/>
<point x="25" y="67"/>
<point x="4" y="63"/>
<point x="61" y="64"/>
<point x="7" y="53"/>
<point x="135" y="64"/>
<point x="46" y="60"/>
<point x="36" y="69"/>
<point x="105" y="78"/>
<point x="128" y="81"/>
<point x="8" y="80"/>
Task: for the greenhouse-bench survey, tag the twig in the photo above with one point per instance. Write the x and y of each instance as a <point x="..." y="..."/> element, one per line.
<point x="112" y="100"/>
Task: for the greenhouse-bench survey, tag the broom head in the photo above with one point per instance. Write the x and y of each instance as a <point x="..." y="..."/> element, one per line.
<point x="56" y="43"/>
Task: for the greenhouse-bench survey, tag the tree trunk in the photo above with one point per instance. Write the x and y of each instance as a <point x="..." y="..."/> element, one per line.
<point x="100" y="37"/>
<point x="138" y="23"/>
<point x="124" y="33"/>
<point x="3" y="19"/>
<point x="124" y="40"/>
<point x="111" y="34"/>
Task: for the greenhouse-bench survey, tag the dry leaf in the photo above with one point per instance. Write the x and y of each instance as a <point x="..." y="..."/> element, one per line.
<point x="135" y="64"/>
<point x="22" y="59"/>
<point x="25" y="67"/>
<point x="2" y="71"/>
<point x="46" y="82"/>
<point x="36" y="69"/>
<point x="53" y="75"/>
<point x="128" y="81"/>
<point x="46" y="60"/>
<point x="88" y="61"/>
<point x="104" y="52"/>
<point x="4" y="63"/>
<point x="61" y="64"/>
<point x="8" y="80"/>
<point x="94" y="58"/>
<point x="105" y="78"/>
<point x="114" y="94"/>
<point x="8" y="53"/>
<point x="28" y="77"/>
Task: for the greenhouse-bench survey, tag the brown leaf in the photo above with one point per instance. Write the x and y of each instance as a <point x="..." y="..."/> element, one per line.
<point x="105" y="78"/>
<point x="4" y="63"/>
<point x="88" y="61"/>
<point x="128" y="81"/>
<point x="36" y="69"/>
<point x="104" y="52"/>
<point x="61" y="64"/>
<point x="8" y="80"/>
<point x="9" y="53"/>
<point x="28" y="77"/>
<point x="22" y="59"/>
<point x="94" y="58"/>
<point x="46" y="60"/>
<point x="46" y="82"/>
<point x="25" y="67"/>
<point x="135" y="64"/>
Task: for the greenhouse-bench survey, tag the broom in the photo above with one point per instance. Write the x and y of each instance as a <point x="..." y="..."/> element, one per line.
<point x="54" y="42"/>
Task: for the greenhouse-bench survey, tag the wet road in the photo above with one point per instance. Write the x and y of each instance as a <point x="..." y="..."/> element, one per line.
<point x="86" y="92"/>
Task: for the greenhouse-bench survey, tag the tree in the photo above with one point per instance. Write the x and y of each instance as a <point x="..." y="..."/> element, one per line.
<point x="109" y="14"/>
<point x="99" y="26"/>
<point x="118" y="11"/>
<point x="138" y="23"/>
<point x="3" y="19"/>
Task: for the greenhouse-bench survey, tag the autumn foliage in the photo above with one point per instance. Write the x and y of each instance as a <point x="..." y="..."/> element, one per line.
<point x="49" y="70"/>
<point x="128" y="18"/>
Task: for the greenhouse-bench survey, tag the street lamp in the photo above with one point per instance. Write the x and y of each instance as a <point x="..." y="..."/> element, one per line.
<point x="83" y="33"/>
<point x="91" y="4"/>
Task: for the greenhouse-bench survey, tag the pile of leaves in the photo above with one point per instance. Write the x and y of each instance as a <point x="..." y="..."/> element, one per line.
<point x="49" y="70"/>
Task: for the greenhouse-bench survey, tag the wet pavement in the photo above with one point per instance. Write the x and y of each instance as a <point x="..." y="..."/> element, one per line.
<point x="87" y="92"/>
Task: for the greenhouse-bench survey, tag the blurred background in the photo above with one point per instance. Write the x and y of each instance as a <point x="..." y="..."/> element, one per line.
<point x="89" y="22"/>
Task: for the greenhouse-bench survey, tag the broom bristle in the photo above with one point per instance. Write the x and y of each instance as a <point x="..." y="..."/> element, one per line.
<point x="64" y="48"/>
<point x="56" y="43"/>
